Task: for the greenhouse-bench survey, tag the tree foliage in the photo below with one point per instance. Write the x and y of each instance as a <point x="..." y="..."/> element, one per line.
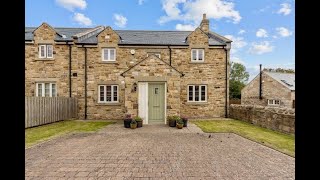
<point x="238" y="77"/>
<point x="279" y="70"/>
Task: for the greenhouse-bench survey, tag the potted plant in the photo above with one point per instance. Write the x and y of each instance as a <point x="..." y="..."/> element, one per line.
<point x="127" y="120"/>
<point x="139" y="121"/>
<point x="133" y="124"/>
<point x="171" y="121"/>
<point x="185" y="121"/>
<point x="179" y="124"/>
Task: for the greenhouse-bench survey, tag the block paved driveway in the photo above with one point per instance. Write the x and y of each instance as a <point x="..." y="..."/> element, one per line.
<point x="155" y="152"/>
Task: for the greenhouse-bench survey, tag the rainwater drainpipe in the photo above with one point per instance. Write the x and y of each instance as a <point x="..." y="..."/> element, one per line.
<point x="70" y="83"/>
<point x="85" y="82"/>
<point x="260" y="84"/>
<point x="169" y="55"/>
<point x="226" y="93"/>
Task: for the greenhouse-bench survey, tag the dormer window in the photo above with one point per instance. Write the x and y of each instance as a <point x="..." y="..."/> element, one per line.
<point x="197" y="55"/>
<point x="45" y="51"/>
<point x="109" y="54"/>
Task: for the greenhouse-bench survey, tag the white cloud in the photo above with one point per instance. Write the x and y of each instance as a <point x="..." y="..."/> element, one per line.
<point x="261" y="48"/>
<point x="120" y="20"/>
<point x="72" y="4"/>
<point x="285" y="9"/>
<point x="237" y="43"/>
<point x="284" y="32"/>
<point x="242" y="31"/>
<point x="140" y="2"/>
<point x="82" y="19"/>
<point x="262" y="33"/>
<point x="185" y="27"/>
<point x="187" y="10"/>
<point x="237" y="60"/>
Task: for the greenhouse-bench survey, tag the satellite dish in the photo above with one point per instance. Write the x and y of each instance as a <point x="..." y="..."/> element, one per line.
<point x="132" y="51"/>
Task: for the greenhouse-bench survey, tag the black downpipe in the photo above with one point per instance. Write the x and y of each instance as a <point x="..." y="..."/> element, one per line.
<point x="70" y="83"/>
<point x="226" y="103"/>
<point x="169" y="55"/>
<point x="85" y="83"/>
<point x="260" y="84"/>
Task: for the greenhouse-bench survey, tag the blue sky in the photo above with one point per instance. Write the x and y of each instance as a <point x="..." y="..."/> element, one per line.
<point x="263" y="31"/>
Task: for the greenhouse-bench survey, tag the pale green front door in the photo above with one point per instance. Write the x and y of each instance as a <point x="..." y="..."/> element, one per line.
<point x="156" y="103"/>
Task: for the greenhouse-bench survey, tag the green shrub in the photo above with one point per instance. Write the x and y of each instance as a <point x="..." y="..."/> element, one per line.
<point x="137" y="118"/>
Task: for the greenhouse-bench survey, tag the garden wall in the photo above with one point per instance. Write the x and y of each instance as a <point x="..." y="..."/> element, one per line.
<point x="275" y="118"/>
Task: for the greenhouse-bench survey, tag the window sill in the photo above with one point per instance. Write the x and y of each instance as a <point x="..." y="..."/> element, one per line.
<point x="44" y="59"/>
<point x="109" y="104"/>
<point x="194" y="62"/>
<point x="197" y="103"/>
<point x="109" y="62"/>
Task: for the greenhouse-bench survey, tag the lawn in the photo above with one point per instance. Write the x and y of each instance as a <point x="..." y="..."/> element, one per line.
<point x="42" y="133"/>
<point x="276" y="140"/>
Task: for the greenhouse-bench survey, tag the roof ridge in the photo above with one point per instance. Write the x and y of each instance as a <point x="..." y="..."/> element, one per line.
<point x="151" y="30"/>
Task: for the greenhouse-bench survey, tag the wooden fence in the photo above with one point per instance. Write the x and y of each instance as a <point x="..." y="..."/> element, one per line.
<point x="44" y="110"/>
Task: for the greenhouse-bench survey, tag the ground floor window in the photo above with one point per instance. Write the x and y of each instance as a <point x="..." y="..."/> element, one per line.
<point x="273" y="102"/>
<point x="46" y="89"/>
<point x="108" y="93"/>
<point x="197" y="93"/>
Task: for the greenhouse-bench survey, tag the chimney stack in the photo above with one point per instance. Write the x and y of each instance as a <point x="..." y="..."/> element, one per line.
<point x="204" y="26"/>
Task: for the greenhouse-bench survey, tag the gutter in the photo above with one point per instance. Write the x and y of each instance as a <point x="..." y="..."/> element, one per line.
<point x="226" y="94"/>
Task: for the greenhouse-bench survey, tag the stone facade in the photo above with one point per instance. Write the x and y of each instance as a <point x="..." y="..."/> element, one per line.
<point x="275" y="118"/>
<point x="271" y="89"/>
<point x="127" y="70"/>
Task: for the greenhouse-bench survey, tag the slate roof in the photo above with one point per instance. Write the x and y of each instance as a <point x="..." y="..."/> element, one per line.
<point x="134" y="37"/>
<point x="287" y="79"/>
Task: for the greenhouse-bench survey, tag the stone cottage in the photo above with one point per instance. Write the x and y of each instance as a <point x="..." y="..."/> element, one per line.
<point x="152" y="74"/>
<point x="277" y="89"/>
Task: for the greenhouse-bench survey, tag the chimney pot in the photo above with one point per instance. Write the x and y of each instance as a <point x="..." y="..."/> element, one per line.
<point x="204" y="16"/>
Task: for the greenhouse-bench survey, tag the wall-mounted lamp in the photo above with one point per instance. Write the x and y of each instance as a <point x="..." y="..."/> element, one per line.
<point x="134" y="87"/>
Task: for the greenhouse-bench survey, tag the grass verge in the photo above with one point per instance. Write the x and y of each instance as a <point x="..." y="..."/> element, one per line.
<point x="39" y="134"/>
<point x="282" y="142"/>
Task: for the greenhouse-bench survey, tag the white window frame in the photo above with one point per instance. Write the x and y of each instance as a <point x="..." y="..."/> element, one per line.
<point x="193" y="93"/>
<point x="156" y="54"/>
<point x="105" y="93"/>
<point x="46" y="51"/>
<point x="43" y="89"/>
<point x="273" y="102"/>
<point x="197" y="55"/>
<point x="108" y="49"/>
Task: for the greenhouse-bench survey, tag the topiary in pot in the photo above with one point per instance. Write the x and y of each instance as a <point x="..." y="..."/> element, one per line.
<point x="179" y="124"/>
<point x="139" y="121"/>
<point x="127" y="120"/>
<point x="133" y="124"/>
<point x="185" y="121"/>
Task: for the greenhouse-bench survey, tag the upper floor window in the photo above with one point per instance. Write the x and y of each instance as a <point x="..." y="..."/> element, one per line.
<point x="197" y="93"/>
<point x="46" y="90"/>
<point x="155" y="53"/>
<point x="273" y="102"/>
<point x="108" y="54"/>
<point x="45" y="51"/>
<point x="197" y="55"/>
<point x="108" y="93"/>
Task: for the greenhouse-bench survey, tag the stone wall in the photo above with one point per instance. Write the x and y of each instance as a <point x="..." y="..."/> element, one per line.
<point x="271" y="89"/>
<point x="275" y="118"/>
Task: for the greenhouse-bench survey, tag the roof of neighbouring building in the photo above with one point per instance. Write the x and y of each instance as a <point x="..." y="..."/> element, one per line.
<point x="287" y="79"/>
<point x="133" y="37"/>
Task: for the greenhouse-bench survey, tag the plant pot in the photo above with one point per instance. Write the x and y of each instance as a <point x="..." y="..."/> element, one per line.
<point x="179" y="126"/>
<point x="127" y="122"/>
<point x="139" y="124"/>
<point x="172" y="123"/>
<point x="185" y="122"/>
<point x="133" y="126"/>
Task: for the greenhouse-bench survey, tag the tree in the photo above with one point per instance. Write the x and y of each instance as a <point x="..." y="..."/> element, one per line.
<point x="279" y="70"/>
<point x="238" y="77"/>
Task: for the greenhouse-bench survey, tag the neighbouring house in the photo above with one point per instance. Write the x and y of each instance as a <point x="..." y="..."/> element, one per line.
<point x="152" y="74"/>
<point x="277" y="89"/>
